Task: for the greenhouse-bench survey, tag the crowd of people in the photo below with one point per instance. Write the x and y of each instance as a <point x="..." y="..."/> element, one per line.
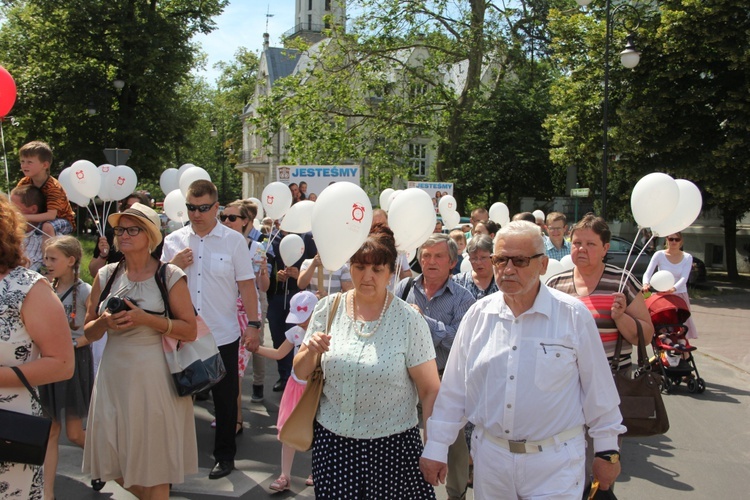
<point x="482" y="363"/>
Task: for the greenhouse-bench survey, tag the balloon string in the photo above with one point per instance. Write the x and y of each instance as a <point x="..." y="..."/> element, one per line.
<point x="627" y="259"/>
<point x="632" y="268"/>
<point x="36" y="229"/>
<point x="93" y="217"/>
<point x="5" y="157"/>
<point x="99" y="226"/>
<point x="398" y="273"/>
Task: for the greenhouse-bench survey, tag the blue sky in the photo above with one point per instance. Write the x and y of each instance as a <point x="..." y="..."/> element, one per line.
<point x="242" y="25"/>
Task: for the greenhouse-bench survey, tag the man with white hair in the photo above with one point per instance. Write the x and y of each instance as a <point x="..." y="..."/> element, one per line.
<point x="526" y="367"/>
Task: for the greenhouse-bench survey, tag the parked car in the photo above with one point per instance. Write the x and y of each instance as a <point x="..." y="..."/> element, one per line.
<point x="618" y="252"/>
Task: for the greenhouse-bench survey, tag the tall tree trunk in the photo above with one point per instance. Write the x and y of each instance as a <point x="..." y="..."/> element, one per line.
<point x="730" y="242"/>
<point x="455" y="130"/>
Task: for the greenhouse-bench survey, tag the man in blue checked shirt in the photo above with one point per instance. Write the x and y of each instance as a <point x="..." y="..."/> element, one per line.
<point x="443" y="303"/>
<point x="556" y="246"/>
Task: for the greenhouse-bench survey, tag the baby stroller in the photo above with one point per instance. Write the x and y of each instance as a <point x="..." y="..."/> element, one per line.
<point x="668" y="314"/>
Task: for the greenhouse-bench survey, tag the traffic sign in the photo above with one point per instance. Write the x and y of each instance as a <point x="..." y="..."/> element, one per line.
<point x="580" y="192"/>
<point x="117" y="156"/>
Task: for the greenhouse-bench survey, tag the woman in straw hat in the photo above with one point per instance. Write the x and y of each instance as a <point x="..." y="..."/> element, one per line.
<point x="140" y="432"/>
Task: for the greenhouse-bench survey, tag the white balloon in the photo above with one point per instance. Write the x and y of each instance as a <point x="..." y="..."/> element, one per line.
<point x="499" y="213"/>
<point x="291" y="249"/>
<point x="538" y="214"/>
<point x="341" y="220"/>
<point x="451" y="220"/>
<point x="191" y="175"/>
<point x="465" y="265"/>
<point x="261" y="212"/>
<point x="654" y="198"/>
<point x="299" y="217"/>
<point x="276" y="198"/>
<point x="447" y="205"/>
<point x="175" y="207"/>
<point x="567" y="263"/>
<point x="122" y="182"/>
<point x="412" y="218"/>
<point x="411" y="254"/>
<point x="169" y="180"/>
<point x="553" y="267"/>
<point x="73" y="196"/>
<point x="183" y="168"/>
<point x="85" y="178"/>
<point x="393" y="197"/>
<point x="385" y="198"/>
<point x="688" y="208"/>
<point x="662" y="281"/>
<point x="106" y="171"/>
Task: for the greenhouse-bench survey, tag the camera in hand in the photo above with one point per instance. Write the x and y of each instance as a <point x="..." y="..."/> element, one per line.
<point x="117" y="304"/>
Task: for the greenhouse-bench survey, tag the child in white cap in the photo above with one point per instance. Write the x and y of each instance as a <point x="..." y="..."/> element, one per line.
<point x="300" y="311"/>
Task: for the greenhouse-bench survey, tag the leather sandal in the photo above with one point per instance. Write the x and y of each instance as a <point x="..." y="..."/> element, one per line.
<point x="281" y="484"/>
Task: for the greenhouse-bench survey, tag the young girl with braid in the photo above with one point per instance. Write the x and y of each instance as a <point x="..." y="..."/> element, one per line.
<point x="62" y="256"/>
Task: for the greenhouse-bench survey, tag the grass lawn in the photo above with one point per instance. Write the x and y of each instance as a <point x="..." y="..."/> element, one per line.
<point x="88" y="244"/>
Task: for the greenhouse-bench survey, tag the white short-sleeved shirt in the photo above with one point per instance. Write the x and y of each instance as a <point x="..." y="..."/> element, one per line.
<point x="220" y="259"/>
<point x="368" y="392"/>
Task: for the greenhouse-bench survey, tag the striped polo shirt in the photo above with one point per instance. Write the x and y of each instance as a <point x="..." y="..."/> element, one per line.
<point x="599" y="302"/>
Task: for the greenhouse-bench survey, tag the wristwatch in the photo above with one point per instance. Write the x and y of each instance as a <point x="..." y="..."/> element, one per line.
<point x="254" y="324"/>
<point x="611" y="456"/>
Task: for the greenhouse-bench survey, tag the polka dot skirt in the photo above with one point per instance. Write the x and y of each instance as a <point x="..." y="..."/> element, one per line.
<point x="381" y="468"/>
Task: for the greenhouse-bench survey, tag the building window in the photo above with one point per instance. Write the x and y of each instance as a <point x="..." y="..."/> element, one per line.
<point x="309" y="23"/>
<point x="328" y="5"/>
<point x="309" y="4"/>
<point x="418" y="89"/>
<point x="418" y="159"/>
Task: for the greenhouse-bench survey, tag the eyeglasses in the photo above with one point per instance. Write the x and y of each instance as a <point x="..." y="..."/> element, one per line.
<point x="674" y="239"/>
<point x="555" y="229"/>
<point x="201" y="208"/>
<point x="132" y="230"/>
<point x="518" y="261"/>
<point x="231" y="217"/>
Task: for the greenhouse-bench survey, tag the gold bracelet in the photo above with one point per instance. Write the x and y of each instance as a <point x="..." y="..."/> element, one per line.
<point x="169" y="326"/>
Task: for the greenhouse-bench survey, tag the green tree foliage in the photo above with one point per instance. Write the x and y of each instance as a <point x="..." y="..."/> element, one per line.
<point x="505" y="151"/>
<point x="64" y="57"/>
<point x="683" y="110"/>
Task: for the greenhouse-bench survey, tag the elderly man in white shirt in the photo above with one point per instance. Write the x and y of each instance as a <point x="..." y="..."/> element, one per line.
<point x="528" y="368"/>
<point x="219" y="266"/>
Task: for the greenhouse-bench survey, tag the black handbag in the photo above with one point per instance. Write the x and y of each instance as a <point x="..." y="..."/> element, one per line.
<point x="23" y="437"/>
<point x="643" y="411"/>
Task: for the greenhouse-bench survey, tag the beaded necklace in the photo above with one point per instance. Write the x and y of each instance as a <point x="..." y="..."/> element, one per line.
<point x="359" y="328"/>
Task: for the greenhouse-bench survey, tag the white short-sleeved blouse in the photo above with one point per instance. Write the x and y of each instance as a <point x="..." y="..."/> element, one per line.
<point x="368" y="392"/>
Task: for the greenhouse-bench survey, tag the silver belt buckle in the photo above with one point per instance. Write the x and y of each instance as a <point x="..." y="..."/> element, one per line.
<point x="517" y="446"/>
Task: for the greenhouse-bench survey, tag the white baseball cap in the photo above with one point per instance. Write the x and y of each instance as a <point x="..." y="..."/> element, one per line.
<point x="301" y="307"/>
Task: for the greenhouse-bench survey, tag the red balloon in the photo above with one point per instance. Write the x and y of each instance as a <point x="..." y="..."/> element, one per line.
<point x="7" y="92"/>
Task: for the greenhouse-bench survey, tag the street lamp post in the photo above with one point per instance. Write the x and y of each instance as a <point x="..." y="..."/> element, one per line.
<point x="629" y="58"/>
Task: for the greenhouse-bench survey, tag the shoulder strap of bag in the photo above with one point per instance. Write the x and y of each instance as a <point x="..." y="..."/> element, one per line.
<point x="110" y="282"/>
<point x="642" y="356"/>
<point x="407" y="288"/>
<point x="26" y="383"/>
<point x="331" y="314"/>
<point x="160" y="276"/>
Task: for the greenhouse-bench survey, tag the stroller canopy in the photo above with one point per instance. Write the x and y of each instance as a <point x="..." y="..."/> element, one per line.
<point x="667" y="309"/>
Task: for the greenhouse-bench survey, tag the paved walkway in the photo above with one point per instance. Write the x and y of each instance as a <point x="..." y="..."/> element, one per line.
<point x="724" y="335"/>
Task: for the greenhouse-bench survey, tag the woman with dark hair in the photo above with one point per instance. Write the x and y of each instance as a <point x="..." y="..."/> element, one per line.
<point x="34" y="339"/>
<point x="679" y="263"/>
<point x="597" y="285"/>
<point x="378" y="360"/>
<point x="238" y="215"/>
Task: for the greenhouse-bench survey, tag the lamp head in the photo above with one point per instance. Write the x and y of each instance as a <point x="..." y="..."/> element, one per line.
<point x="630" y="57"/>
